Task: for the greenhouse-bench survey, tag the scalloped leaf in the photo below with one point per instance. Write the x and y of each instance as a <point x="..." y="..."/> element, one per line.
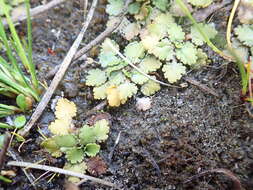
<point x="65" y="109"/>
<point x="113" y="96"/>
<point x="134" y="50"/>
<point x="173" y="71"/>
<point x="131" y="30"/>
<point x="106" y="48"/>
<point x="117" y="78"/>
<point x="51" y="146"/>
<point x="108" y="59"/>
<point x="245" y="34"/>
<point x="92" y="149"/>
<point x="149" y="64"/>
<point x="138" y="78"/>
<point x="164" y="50"/>
<point x="127" y="90"/>
<point x="78" y="168"/>
<point x="161" y="4"/>
<point x="164" y="19"/>
<point x="99" y="92"/>
<point x="176" y="33"/>
<point x="134" y="8"/>
<point x="187" y="54"/>
<point x="200" y="3"/>
<point x="157" y="29"/>
<point x="74" y="155"/>
<point x="96" y="77"/>
<point x="150" y="87"/>
<point x="208" y="29"/>
<point x="86" y="135"/>
<point x="60" y="127"/>
<point x="118" y="67"/>
<point x="149" y="42"/>
<point x="114" y="7"/>
<point x="101" y="130"/>
<point x="65" y="140"/>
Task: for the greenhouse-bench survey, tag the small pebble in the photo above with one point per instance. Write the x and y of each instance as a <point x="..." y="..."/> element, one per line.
<point x="143" y="104"/>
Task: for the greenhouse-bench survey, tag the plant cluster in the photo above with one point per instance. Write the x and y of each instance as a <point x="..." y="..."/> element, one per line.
<point x="14" y="82"/>
<point x="157" y="43"/>
<point x="10" y="5"/>
<point x="76" y="144"/>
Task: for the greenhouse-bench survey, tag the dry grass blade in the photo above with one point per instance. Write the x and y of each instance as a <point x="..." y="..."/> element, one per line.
<point x="61" y="171"/>
<point x="236" y="182"/>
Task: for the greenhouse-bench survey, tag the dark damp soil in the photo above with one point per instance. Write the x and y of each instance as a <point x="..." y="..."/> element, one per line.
<point x="185" y="132"/>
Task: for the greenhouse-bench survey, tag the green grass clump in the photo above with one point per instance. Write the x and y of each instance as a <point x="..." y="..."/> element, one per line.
<point x="16" y="82"/>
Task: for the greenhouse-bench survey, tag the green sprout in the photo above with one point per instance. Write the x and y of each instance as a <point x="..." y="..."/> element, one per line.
<point x="15" y="82"/>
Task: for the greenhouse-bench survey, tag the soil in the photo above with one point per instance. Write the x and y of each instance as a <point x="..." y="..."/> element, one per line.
<point x="185" y="132"/>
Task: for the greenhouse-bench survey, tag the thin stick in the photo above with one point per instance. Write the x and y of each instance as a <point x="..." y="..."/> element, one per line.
<point x="136" y="68"/>
<point x="104" y="34"/>
<point x="201" y="86"/>
<point x="59" y="75"/>
<point x="230" y="20"/>
<point x="28" y="174"/>
<point x="61" y="171"/>
<point x="35" y="11"/>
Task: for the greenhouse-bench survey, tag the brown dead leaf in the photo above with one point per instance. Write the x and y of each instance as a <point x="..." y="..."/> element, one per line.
<point x="96" y="166"/>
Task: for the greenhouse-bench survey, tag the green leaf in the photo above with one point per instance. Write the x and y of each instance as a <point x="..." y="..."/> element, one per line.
<point x="21" y="102"/>
<point x="200" y="3"/>
<point x="138" y="78"/>
<point x="150" y="87"/>
<point x="106" y="48"/>
<point x="96" y="77"/>
<point x="134" y="8"/>
<point x="161" y="4"/>
<point x="164" y="50"/>
<point x="149" y="64"/>
<point x="164" y="19"/>
<point x="127" y="90"/>
<point x="74" y="155"/>
<point x="208" y="29"/>
<point x="156" y="29"/>
<point x="101" y="130"/>
<point x="99" y="92"/>
<point x="134" y="51"/>
<point x="245" y="34"/>
<point x="1" y="140"/>
<point x="173" y="71"/>
<point x="87" y="135"/>
<point x="176" y="33"/>
<point x="92" y="149"/>
<point x="187" y="54"/>
<point x="51" y="146"/>
<point x="108" y="59"/>
<point x="120" y="66"/>
<point x="19" y="121"/>
<point x="65" y="140"/>
<point x="117" y="78"/>
<point x="78" y="168"/>
<point x="114" y="7"/>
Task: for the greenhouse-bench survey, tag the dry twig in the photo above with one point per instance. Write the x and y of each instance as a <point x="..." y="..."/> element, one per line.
<point x="59" y="75"/>
<point x="236" y="182"/>
<point x="61" y="171"/>
<point x="35" y="11"/>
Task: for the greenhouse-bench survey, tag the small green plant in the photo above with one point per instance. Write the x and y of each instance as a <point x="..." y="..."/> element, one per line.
<point x="157" y="44"/>
<point x="76" y="144"/>
<point x="14" y="82"/>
